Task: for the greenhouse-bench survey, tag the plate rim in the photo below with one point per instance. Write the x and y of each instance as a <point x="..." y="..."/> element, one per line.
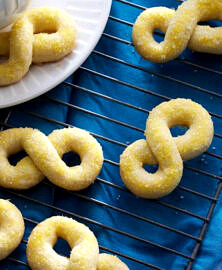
<point x="93" y="43"/>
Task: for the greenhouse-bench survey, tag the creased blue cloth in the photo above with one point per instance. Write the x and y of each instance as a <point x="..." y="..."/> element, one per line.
<point x="134" y="87"/>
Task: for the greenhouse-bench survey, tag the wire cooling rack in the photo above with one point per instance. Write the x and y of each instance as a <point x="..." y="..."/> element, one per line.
<point x="120" y="209"/>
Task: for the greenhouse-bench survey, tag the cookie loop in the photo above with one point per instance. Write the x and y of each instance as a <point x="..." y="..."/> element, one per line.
<point x="161" y="148"/>
<point x="38" y="35"/>
<point x="40" y="252"/>
<point x="54" y="34"/>
<point x="20" y="57"/>
<point x="85" y="250"/>
<point x="44" y="158"/>
<point x="180" y="28"/>
<point x="25" y="174"/>
<point x="11" y="228"/>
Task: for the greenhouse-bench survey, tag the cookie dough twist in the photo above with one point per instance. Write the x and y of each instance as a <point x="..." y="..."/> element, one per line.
<point x="180" y="28"/>
<point x="162" y="149"/>
<point x="44" y="158"/>
<point x="39" y="35"/>
<point x="11" y="228"/>
<point x="85" y="250"/>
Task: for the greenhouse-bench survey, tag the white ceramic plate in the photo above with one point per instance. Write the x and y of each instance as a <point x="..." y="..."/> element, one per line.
<point x="91" y="17"/>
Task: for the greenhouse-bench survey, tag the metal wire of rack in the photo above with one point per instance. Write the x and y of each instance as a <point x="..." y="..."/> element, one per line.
<point x="166" y="205"/>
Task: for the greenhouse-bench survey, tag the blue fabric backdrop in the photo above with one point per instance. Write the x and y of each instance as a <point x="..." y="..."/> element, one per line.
<point x="211" y="250"/>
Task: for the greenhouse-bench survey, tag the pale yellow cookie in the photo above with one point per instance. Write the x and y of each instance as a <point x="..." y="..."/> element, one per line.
<point x="11" y="228"/>
<point x="84" y="247"/>
<point x="39" y="35"/>
<point x="180" y="28"/>
<point x="44" y="158"/>
<point x="162" y="149"/>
